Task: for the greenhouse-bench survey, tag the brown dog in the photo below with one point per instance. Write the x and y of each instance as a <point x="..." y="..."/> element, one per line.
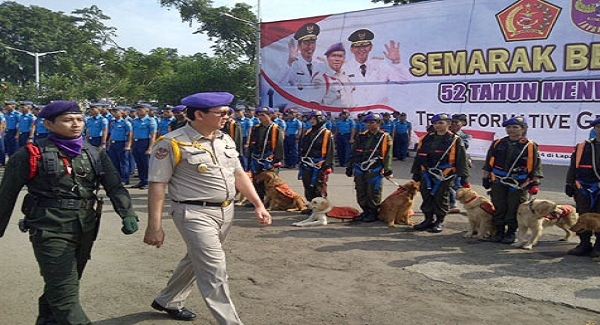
<point x="242" y="200"/>
<point x="587" y="221"/>
<point x="538" y="214"/>
<point x="397" y="207"/>
<point x="279" y="196"/>
<point x="479" y="211"/>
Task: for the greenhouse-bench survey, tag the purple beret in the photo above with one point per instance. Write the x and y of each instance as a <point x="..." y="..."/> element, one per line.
<point x="518" y="120"/>
<point x="59" y="107"/>
<point x="441" y="117"/>
<point x="178" y="108"/>
<point x="335" y="47"/>
<point x="207" y="100"/>
<point x="594" y="122"/>
<point x="265" y="109"/>
<point x="318" y="114"/>
<point x="372" y="117"/>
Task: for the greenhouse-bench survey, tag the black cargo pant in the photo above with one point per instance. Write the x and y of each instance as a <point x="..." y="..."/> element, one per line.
<point x="62" y="259"/>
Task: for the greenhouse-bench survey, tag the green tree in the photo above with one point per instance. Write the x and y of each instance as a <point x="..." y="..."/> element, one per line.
<point x="232" y="38"/>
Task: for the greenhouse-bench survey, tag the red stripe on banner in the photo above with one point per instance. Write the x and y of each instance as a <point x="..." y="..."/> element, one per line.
<point x="481" y="135"/>
<point x="275" y="31"/>
<point x="476" y="134"/>
<point x="317" y="106"/>
<point x="484" y="135"/>
<point x="554" y="148"/>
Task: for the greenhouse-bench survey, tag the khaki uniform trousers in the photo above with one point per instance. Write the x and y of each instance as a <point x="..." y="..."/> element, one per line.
<point x="203" y="229"/>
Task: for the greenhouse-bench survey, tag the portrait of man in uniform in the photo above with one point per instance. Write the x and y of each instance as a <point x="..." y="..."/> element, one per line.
<point x="372" y="73"/>
<point x="301" y="63"/>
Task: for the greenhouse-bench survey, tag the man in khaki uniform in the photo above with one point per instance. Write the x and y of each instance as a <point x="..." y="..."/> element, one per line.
<point x="200" y="165"/>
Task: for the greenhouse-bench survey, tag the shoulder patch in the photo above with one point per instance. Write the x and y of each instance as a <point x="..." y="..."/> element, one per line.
<point x="161" y="153"/>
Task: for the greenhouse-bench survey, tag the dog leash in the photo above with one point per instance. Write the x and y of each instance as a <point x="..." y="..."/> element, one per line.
<point x="391" y="181"/>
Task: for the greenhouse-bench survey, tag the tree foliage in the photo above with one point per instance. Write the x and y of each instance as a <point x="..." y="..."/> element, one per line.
<point x="96" y="67"/>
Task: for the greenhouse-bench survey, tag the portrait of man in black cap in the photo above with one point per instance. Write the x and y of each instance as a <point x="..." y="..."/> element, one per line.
<point x="301" y="61"/>
<point x="363" y="69"/>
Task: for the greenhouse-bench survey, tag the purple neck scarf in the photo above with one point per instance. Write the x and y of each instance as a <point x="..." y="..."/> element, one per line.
<point x="70" y="146"/>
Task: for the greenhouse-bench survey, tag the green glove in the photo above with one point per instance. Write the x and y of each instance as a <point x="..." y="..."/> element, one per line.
<point x="130" y="225"/>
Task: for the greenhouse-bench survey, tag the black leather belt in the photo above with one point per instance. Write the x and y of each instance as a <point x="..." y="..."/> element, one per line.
<point x="68" y="204"/>
<point x="223" y="204"/>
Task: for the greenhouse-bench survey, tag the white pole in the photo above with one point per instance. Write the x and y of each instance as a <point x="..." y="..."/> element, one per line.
<point x="258" y="92"/>
<point x="37" y="71"/>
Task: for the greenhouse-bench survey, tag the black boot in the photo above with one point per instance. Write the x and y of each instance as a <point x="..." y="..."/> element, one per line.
<point x="372" y="215"/>
<point x="509" y="237"/>
<point x="360" y="217"/>
<point x="585" y="246"/>
<point x="596" y="250"/>
<point x="438" y="225"/>
<point x="425" y="224"/>
<point x="499" y="235"/>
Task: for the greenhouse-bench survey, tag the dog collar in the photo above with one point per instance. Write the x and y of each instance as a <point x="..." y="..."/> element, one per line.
<point x="472" y="199"/>
<point x="530" y="205"/>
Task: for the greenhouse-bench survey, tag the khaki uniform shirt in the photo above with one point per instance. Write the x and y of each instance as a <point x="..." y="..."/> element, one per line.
<point x="202" y="171"/>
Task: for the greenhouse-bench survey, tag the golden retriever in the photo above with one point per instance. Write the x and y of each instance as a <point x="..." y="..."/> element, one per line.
<point x="479" y="212"/>
<point x="397" y="207"/>
<point x="278" y="195"/>
<point x="320" y="206"/>
<point x="538" y="214"/>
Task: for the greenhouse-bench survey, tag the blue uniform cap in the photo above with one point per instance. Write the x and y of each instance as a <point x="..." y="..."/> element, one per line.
<point x="372" y="117"/>
<point x="59" y="107"/>
<point x="143" y="105"/>
<point x="239" y="107"/>
<point x="460" y="117"/>
<point x="26" y="102"/>
<point x="207" y="100"/>
<point x="10" y="102"/>
<point x="99" y="104"/>
<point x="441" y="117"/>
<point x="594" y="122"/>
<point x="265" y="109"/>
<point x="178" y="108"/>
<point x="334" y="48"/>
<point x="518" y="120"/>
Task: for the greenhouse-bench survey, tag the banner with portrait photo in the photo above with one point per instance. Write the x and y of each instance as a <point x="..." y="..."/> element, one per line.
<point x="488" y="59"/>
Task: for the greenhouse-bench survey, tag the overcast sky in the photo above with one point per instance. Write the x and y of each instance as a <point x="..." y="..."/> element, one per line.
<point x="145" y="25"/>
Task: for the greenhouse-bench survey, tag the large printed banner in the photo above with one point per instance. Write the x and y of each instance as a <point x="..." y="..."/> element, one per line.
<point x="489" y="59"/>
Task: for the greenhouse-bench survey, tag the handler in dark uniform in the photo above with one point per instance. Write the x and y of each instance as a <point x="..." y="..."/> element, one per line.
<point x="266" y="146"/>
<point x="512" y="168"/>
<point x="234" y="130"/>
<point x="371" y="160"/>
<point x="180" y="120"/>
<point x="59" y="207"/>
<point x="200" y="165"/>
<point x="583" y="183"/>
<point x="317" y="153"/>
<point x="441" y="156"/>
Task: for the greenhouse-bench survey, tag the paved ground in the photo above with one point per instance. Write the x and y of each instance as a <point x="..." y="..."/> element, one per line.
<point x="337" y="274"/>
